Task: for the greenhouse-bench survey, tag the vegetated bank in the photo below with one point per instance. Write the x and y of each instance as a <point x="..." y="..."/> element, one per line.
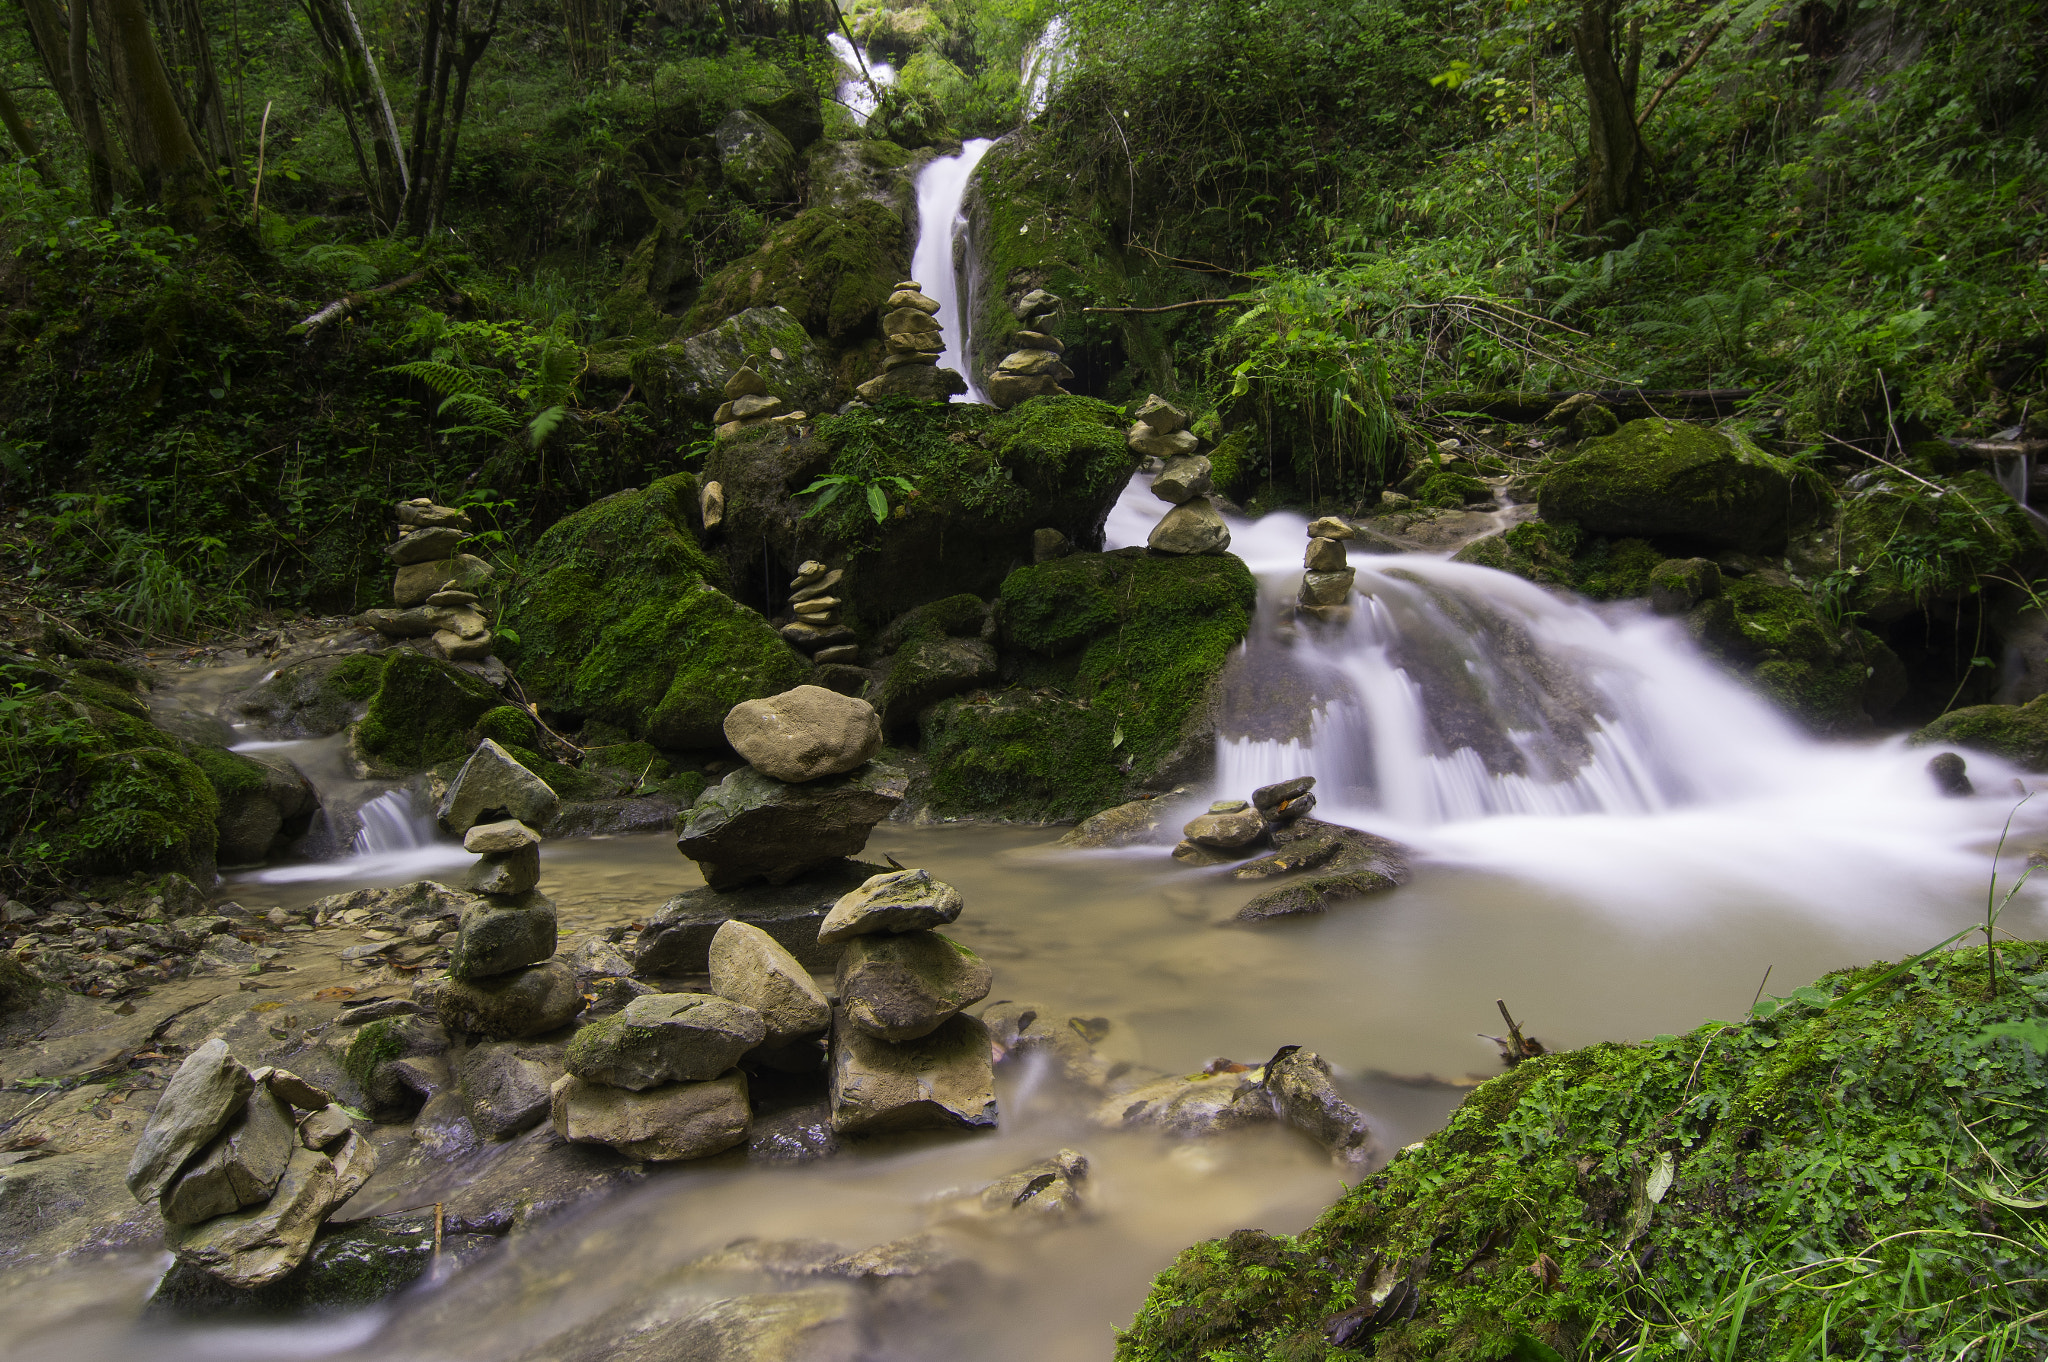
<point x="1850" y="1171"/>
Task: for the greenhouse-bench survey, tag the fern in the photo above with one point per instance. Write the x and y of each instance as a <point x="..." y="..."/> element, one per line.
<point x="1713" y="324"/>
<point x="443" y="380"/>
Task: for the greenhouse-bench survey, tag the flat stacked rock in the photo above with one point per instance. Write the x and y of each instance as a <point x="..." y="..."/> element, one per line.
<point x="1326" y="585"/>
<point x="1233" y="828"/>
<point x="245" y="1166"/>
<point x="503" y="981"/>
<point x="1194" y="525"/>
<point x="904" y="1055"/>
<point x="815" y="629"/>
<point x="758" y="825"/>
<point x="748" y="405"/>
<point x="1037" y="367"/>
<point x="915" y="340"/>
<point x="436" y="588"/>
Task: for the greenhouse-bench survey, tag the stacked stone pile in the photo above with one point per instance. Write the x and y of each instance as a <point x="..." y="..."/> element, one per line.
<point x="436" y="588"/>
<point x="1194" y="525"/>
<point x="914" y="339"/>
<point x="1037" y="367"/>
<point x="748" y="405"/>
<point x="503" y="982"/>
<point x="1233" y="827"/>
<point x="1326" y="585"/>
<point x="904" y="1055"/>
<point x="816" y="629"/>
<point x="246" y="1165"/>
<point x="1271" y="835"/>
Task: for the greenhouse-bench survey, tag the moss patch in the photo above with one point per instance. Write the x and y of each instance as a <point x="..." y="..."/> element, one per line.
<point x="421" y="713"/>
<point x="147" y="809"/>
<point x="833" y="268"/>
<point x="1835" y="1162"/>
<point x="2018" y="733"/>
<point x="1112" y="655"/>
<point x="506" y="725"/>
<point x="1657" y="477"/>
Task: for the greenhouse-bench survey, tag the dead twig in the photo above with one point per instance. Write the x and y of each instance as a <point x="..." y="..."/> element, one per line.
<point x="341" y="307"/>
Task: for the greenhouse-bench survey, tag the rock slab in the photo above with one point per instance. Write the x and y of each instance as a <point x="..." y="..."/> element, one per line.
<point x="664" y="1038"/>
<point x="751" y="968"/>
<point x="201" y="1098"/>
<point x="805" y="733"/>
<point x="900" y="901"/>
<point x="943" y="1081"/>
<point x="899" y="988"/>
<point x="661" y="1124"/>
<point x="751" y="826"/>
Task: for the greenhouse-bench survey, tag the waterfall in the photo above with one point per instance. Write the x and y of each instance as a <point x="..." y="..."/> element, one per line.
<point x="853" y="92"/>
<point x="393" y="842"/>
<point x="1045" y="61"/>
<point x="389" y="825"/>
<point x="941" y="187"/>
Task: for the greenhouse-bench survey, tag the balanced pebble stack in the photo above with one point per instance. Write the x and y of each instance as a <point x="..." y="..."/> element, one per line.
<point x="1326" y="585"/>
<point x="1232" y="827"/>
<point x="816" y="629"/>
<point x="246" y="1165"/>
<point x="1194" y="525"/>
<point x="748" y="404"/>
<point x="1037" y="367"/>
<point x="914" y="340"/>
<point x="904" y="1055"/>
<point x="436" y="588"/>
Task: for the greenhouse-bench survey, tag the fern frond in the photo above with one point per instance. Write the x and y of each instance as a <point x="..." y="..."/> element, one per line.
<point x="444" y="380"/>
<point x="479" y="410"/>
<point x="542" y="426"/>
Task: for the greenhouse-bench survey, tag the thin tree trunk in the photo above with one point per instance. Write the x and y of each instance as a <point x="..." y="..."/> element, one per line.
<point x="24" y="137"/>
<point x="473" y="44"/>
<point x="209" y="98"/>
<point x="49" y="32"/>
<point x="92" y="129"/>
<point x="1617" y="177"/>
<point x="422" y="101"/>
<point x="383" y="99"/>
<point x="172" y="169"/>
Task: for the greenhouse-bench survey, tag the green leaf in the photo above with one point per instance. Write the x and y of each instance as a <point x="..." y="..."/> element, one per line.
<point x="1528" y="1349"/>
<point x="878" y="503"/>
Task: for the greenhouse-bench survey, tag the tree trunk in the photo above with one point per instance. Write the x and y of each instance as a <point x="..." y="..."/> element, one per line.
<point x="1617" y="175"/>
<point x="169" y="162"/>
<point x="414" y="209"/>
<point x="92" y="129"/>
<point x="49" y="32"/>
<point x="24" y="138"/>
<point x="365" y="107"/>
<point x="474" y="41"/>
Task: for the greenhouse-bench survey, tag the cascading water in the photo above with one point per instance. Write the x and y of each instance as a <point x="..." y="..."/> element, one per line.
<point x="941" y="188"/>
<point x="391" y="841"/>
<point x="1045" y="62"/>
<point x="855" y="93"/>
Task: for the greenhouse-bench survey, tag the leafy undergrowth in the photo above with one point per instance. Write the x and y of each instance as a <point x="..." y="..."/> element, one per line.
<point x="1849" y="1172"/>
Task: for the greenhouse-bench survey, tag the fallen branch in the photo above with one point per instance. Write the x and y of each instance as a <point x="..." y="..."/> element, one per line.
<point x="341" y="307"/>
<point x="1176" y="307"/>
<point x="1534" y="406"/>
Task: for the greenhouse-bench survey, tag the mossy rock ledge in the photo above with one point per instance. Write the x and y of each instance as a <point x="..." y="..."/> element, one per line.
<point x="2018" y="733"/>
<point x="1838" y="1161"/>
<point x="1665" y="478"/>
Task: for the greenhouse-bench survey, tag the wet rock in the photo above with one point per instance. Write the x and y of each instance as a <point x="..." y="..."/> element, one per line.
<point x="1306" y="854"/>
<point x="1359" y="865"/>
<point x="1190" y="1104"/>
<point x="354" y="1264"/>
<point x="921" y="381"/>
<point x="1313" y="894"/>
<point x="942" y="1081"/>
<point x="499" y="937"/>
<point x="1020" y="1029"/>
<point x="759" y="162"/>
<point x="1190" y="528"/>
<point x="750" y="826"/>
<point x="1304" y="1094"/>
<point x="748" y="967"/>
<point x="902" y="987"/>
<point x="201" y="1098"/>
<point x="596" y="957"/>
<point x="1283" y="802"/>
<point x="900" y="901"/>
<point x="505" y="873"/>
<point x="1324" y="555"/>
<point x="380" y="1059"/>
<point x="259" y="1245"/>
<point x="239" y="1168"/>
<point x="1195" y="854"/>
<point x="805" y="733"/>
<point x="930" y="669"/>
<point x="1330" y="527"/>
<point x="1678" y="584"/>
<point x="1123" y="826"/>
<point x="913" y="1274"/>
<point x="1050" y="1187"/>
<point x="443" y="1130"/>
<point x="664" y="1038"/>
<point x="508" y="1086"/>
<point x="1226" y="831"/>
<point x="493" y="786"/>
<point x="819" y="1324"/>
<point x="660" y="1124"/>
<point x="677" y="939"/>
<point x="1142" y="439"/>
<point x="1951" y="775"/>
<point x="486" y="839"/>
<point x="525" y="1002"/>
<point x="610" y="996"/>
<point x="300" y="1092"/>
<point x="323" y="1128"/>
<point x="1327" y="588"/>
<point x="2018" y="733"/>
<point x="418" y="901"/>
<point x="1048" y="544"/>
<point x="790" y="1132"/>
<point x="1658" y="477"/>
<point x="1182" y="480"/>
<point x="431" y="544"/>
<point x="1161" y="415"/>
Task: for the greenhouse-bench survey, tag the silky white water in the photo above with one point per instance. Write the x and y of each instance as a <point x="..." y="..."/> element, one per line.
<point x="1045" y="63"/>
<point x="394" y="843"/>
<point x="855" y="93"/>
<point x="941" y="187"/>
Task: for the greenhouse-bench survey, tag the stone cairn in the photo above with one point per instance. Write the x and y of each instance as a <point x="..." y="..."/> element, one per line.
<point x="436" y="588"/>
<point x="1233" y="827"/>
<point x="1326" y="585"/>
<point x="503" y="982"/>
<point x="914" y="340"/>
<point x="815" y="629"/>
<point x="748" y="406"/>
<point x="245" y="1165"/>
<point x="1036" y="368"/>
<point x="1194" y="525"/>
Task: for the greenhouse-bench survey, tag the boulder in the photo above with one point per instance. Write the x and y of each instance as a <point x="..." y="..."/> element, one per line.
<point x="205" y="1093"/>
<point x="758" y="161"/>
<point x="664" y="1038"/>
<point x="927" y="671"/>
<point x="1190" y="1104"/>
<point x="491" y="787"/>
<point x="922" y="381"/>
<point x="902" y="987"/>
<point x="1660" y="477"/>
<point x="253" y="1247"/>
<point x="1190" y="528"/>
<point x="660" y="1124"/>
<point x="750" y="826"/>
<point x="941" y="1081"/>
<point x="900" y="901"/>
<point x="748" y="967"/>
<point x="1184" y="478"/>
<point x="805" y="733"/>
<point x="508" y="1086"/>
<point x="1951" y="775"/>
<point x="1007" y="390"/>
<point x="1125" y="825"/>
<point x="525" y="1002"/>
<point x="2018" y="733"/>
<point x="1327" y="588"/>
<point x="1324" y="555"/>
<point x="499" y="937"/>
<point x="239" y="1168"/>
<point x="1142" y="439"/>
<point x="1226" y="830"/>
<point x="505" y="873"/>
<point x="677" y="939"/>
<point x="430" y="545"/>
<point x="1303" y="1092"/>
<point x="1161" y="415"/>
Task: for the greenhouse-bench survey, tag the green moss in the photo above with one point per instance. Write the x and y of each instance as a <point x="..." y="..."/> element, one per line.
<point x="1536" y="550"/>
<point x="106" y="695"/>
<point x="148" y="809"/>
<point x="2018" y="733"/>
<point x="1233" y="462"/>
<point x="130" y="679"/>
<point x="1657" y="477"/>
<point x="375" y="1043"/>
<point x="506" y="725"/>
<point x="570" y="783"/>
<point x="833" y="268"/>
<point x="1899" y="546"/>
<point x="421" y="713"/>
<point x="1450" y="489"/>
<point x="1611" y="570"/>
<point x="618" y="622"/>
<point x="356" y="678"/>
<point x="232" y="777"/>
<point x="1837" y="1160"/>
<point x="1068" y="442"/>
<point x="1127" y="645"/>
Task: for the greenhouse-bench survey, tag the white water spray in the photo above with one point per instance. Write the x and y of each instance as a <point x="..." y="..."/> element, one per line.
<point x="1045" y="63"/>
<point x="393" y="842"/>
<point x="941" y="188"/>
<point x="856" y="94"/>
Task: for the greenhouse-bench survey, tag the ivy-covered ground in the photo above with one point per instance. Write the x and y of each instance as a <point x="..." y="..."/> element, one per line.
<point x="1853" y="1171"/>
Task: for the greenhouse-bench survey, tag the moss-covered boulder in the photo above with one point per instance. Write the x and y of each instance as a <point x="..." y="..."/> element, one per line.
<point x="1833" y="677"/>
<point x="843" y="173"/>
<point x="618" y="620"/>
<point x="314" y="698"/>
<point x="1665" y="478"/>
<point x="687" y="377"/>
<point x="1112" y="656"/>
<point x="2018" y="733"/>
<point x="1891" y="546"/>
<point x="1840" y="1164"/>
<point x="831" y="268"/>
<point x="421" y="714"/>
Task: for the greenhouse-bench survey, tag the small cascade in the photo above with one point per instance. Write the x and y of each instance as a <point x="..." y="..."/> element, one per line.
<point x="1045" y="62"/>
<point x="393" y="843"/>
<point x="389" y="825"/>
<point x="855" y="93"/>
<point x="941" y="188"/>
